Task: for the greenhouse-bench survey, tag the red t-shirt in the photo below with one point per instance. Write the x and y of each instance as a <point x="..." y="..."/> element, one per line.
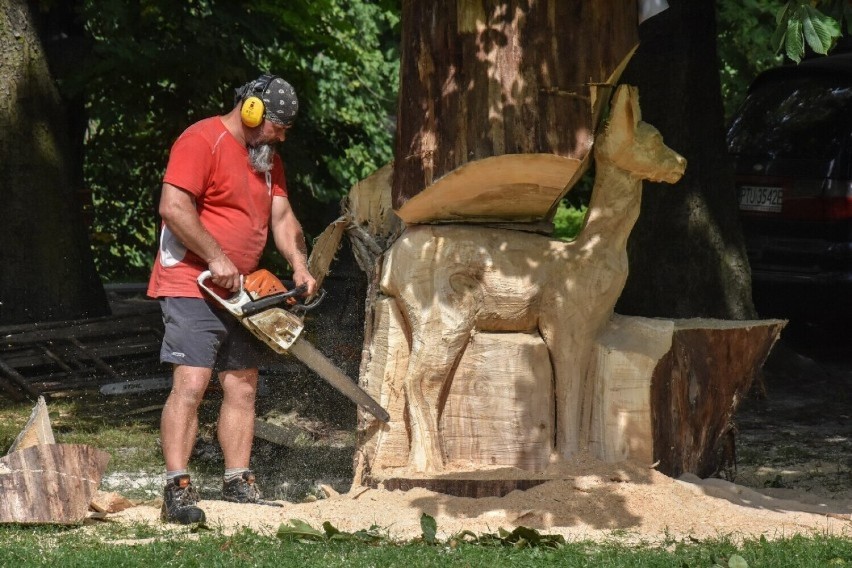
<point x="233" y="203"/>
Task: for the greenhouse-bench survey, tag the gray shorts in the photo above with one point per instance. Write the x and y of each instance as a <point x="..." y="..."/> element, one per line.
<point x="198" y="335"/>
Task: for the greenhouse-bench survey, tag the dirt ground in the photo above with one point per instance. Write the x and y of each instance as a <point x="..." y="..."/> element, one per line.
<point x="793" y="476"/>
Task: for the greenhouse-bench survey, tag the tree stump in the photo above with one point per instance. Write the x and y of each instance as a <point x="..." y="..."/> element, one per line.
<point x="45" y="482"/>
<point x="665" y="391"/>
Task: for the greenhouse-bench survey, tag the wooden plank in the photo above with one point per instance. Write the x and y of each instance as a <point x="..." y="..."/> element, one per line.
<point x="19" y="380"/>
<point x="99" y="363"/>
<point x="10" y="391"/>
<point x="80" y="329"/>
<point x="65" y="355"/>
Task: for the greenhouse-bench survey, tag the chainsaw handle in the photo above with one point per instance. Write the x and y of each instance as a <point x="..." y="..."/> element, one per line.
<point x="232" y="304"/>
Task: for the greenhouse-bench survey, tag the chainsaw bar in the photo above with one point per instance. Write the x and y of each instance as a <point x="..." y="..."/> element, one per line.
<point x="321" y="365"/>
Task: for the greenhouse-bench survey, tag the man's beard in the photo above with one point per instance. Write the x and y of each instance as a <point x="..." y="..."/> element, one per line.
<point x="260" y="157"/>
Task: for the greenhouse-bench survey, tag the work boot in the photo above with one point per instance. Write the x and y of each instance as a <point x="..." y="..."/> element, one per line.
<point x="179" y="502"/>
<point x="243" y="489"/>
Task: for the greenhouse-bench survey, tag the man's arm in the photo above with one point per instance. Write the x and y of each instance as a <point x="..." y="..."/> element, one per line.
<point x="177" y="208"/>
<point x="290" y="241"/>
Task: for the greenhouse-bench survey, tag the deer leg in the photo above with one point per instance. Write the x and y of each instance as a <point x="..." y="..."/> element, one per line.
<point x="562" y="326"/>
<point x="437" y="344"/>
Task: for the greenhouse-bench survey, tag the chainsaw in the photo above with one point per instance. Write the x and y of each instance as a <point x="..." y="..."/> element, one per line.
<point x="274" y="315"/>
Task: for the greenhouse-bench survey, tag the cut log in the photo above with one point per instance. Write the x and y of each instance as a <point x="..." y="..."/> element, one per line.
<point x="493" y="347"/>
<point x="50" y="483"/>
<point x="45" y="482"/>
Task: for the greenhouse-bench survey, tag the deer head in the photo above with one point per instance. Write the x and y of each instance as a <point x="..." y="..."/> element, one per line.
<point x="635" y="146"/>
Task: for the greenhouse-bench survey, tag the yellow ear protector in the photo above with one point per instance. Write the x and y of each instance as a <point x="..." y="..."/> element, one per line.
<point x="253" y="108"/>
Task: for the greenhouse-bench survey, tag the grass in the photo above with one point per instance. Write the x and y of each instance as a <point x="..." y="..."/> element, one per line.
<point x="142" y="545"/>
<point x="568" y="221"/>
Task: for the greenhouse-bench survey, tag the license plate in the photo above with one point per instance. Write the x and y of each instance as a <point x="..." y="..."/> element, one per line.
<point x="761" y="198"/>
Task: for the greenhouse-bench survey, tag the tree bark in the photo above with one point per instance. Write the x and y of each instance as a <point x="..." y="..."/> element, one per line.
<point x="48" y="268"/>
<point x="687" y="254"/>
<point x="482" y="78"/>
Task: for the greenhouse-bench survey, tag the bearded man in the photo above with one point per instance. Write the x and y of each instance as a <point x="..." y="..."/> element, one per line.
<point x="224" y="189"/>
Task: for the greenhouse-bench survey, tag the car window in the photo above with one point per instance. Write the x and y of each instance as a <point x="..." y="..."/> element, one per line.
<point x="802" y="117"/>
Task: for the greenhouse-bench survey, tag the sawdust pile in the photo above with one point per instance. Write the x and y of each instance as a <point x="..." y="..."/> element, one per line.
<point x="589" y="501"/>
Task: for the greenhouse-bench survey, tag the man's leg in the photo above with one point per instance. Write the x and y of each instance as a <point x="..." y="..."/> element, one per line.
<point x="179" y="422"/>
<point x="236" y="417"/>
<point x="178" y="430"/>
<point x="236" y="435"/>
<point x="193" y="334"/>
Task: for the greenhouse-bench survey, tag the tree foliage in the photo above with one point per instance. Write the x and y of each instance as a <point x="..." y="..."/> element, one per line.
<point x="813" y="25"/>
<point x="156" y="66"/>
<point x="745" y="45"/>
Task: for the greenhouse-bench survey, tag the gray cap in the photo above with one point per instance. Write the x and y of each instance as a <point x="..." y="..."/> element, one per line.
<point x="280" y="102"/>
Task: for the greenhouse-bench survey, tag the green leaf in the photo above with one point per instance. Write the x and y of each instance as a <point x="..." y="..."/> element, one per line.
<point x="429" y="527"/>
<point x="737" y="561"/>
<point x="794" y="43"/>
<point x="821" y="31"/>
<point x="529" y="535"/>
<point x="299" y="530"/>
<point x="783" y="15"/>
<point x="782" y="20"/>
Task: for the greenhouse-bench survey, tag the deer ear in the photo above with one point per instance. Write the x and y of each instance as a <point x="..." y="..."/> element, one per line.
<point x="623" y="109"/>
<point x="634" y="104"/>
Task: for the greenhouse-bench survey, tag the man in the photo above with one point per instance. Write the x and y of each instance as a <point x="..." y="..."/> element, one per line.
<point x="223" y="190"/>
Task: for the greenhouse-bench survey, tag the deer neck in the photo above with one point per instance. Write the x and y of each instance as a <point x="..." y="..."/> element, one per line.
<point x="614" y="206"/>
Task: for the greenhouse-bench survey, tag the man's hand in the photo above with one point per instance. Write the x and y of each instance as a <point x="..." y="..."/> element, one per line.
<point x="224" y="273"/>
<point x="303" y="277"/>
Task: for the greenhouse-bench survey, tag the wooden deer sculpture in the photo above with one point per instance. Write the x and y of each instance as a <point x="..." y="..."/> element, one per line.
<point x="452" y="281"/>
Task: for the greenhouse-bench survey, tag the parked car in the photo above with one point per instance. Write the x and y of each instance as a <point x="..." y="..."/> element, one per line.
<point x="792" y="146"/>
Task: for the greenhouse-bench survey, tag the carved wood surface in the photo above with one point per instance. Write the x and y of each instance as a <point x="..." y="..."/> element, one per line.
<point x="511" y="187"/>
<point x="450" y="282"/>
<point x="505" y="380"/>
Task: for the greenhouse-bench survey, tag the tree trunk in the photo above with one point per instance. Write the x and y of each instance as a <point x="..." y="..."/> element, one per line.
<point x="48" y="269"/>
<point x="482" y="78"/>
<point x="687" y="254"/>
